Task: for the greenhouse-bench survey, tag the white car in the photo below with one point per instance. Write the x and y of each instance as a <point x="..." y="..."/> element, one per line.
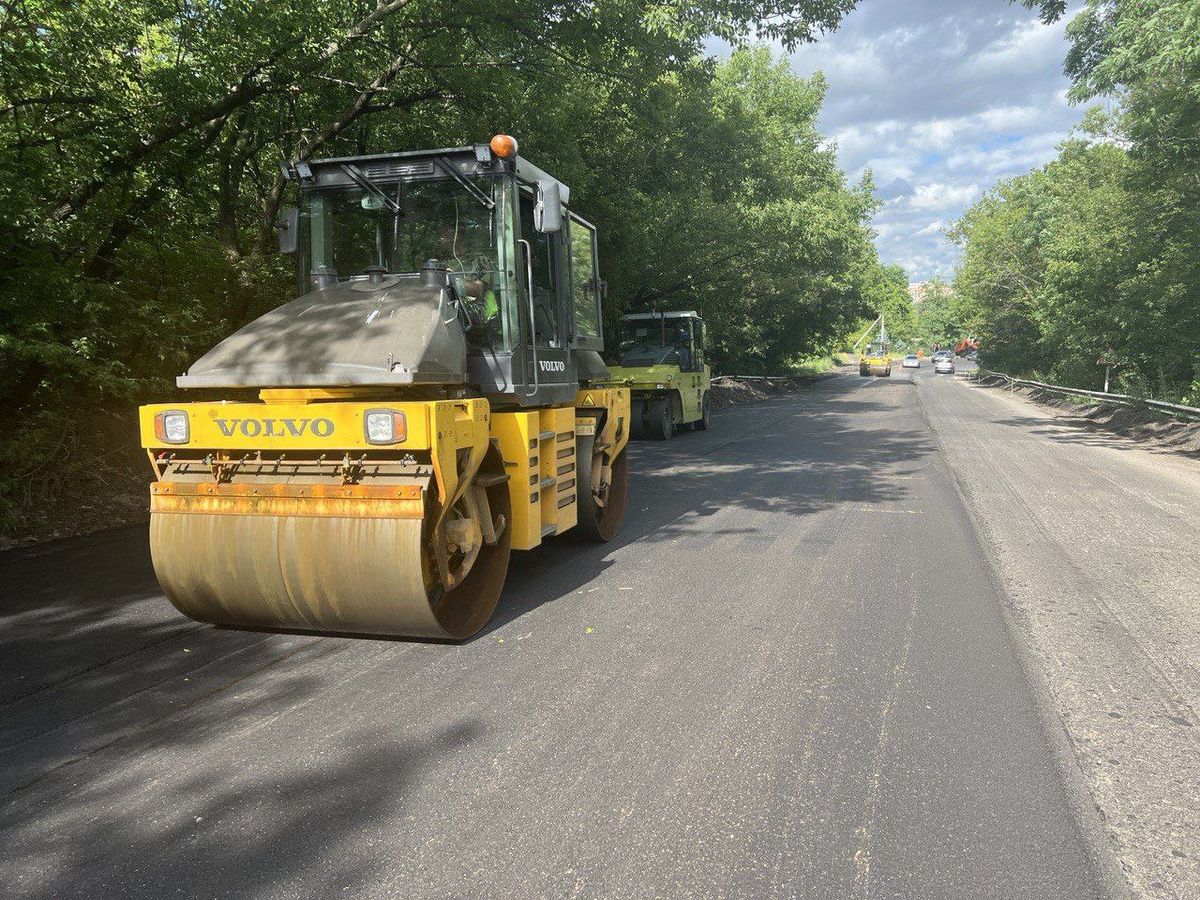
<point x="912" y="361"/>
<point x="943" y="365"/>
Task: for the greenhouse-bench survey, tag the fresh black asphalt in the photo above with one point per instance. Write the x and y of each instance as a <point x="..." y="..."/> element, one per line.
<point x="790" y="675"/>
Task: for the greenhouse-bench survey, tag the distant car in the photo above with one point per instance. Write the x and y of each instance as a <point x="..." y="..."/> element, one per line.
<point x="912" y="361"/>
<point x="943" y="365"/>
<point x="944" y="354"/>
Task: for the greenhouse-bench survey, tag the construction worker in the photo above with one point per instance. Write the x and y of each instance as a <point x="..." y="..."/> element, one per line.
<point x="476" y="273"/>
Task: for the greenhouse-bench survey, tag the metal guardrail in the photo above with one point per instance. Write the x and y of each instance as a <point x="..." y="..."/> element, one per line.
<point x="752" y="377"/>
<point x="1177" y="409"/>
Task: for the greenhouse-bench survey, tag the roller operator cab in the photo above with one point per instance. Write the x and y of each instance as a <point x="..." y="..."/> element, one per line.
<point x="433" y="399"/>
<point x="663" y="361"/>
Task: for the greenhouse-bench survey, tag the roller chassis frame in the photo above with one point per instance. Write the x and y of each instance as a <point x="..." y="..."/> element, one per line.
<point x="236" y="523"/>
<point x="657" y="412"/>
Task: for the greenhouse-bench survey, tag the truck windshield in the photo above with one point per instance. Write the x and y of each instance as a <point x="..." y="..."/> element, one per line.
<point x="642" y="355"/>
<point x="398" y="226"/>
<point x="649" y="342"/>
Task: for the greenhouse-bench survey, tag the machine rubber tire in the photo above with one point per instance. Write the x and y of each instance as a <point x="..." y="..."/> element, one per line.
<point x="702" y="424"/>
<point x="637" y="419"/>
<point x="660" y="417"/>
<point x="596" y="523"/>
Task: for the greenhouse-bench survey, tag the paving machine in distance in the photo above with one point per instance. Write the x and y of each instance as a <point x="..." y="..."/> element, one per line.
<point x="662" y="360"/>
<point x="968" y="346"/>
<point x="433" y="399"/>
<point x="876" y="359"/>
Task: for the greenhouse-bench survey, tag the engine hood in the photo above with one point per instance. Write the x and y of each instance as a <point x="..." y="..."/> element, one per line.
<point x="393" y="332"/>
<point x="644" y="374"/>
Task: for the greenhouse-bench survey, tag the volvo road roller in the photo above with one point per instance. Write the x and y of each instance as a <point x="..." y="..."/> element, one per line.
<point x="877" y="358"/>
<point x="433" y="400"/>
<point x="662" y="361"/>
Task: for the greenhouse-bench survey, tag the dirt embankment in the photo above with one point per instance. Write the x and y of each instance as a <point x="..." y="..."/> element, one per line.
<point x="1138" y="423"/>
<point x="728" y="390"/>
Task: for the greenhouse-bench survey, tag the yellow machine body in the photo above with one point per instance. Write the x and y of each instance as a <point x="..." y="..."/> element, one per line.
<point x="431" y="400"/>
<point x="878" y="364"/>
<point x="280" y="513"/>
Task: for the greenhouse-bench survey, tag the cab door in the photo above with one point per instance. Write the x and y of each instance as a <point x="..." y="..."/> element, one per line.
<point x="543" y="279"/>
<point x="587" y="330"/>
<point x="692" y="369"/>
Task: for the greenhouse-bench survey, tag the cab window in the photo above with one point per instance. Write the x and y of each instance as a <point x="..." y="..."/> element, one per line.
<point x="542" y="246"/>
<point x="585" y="284"/>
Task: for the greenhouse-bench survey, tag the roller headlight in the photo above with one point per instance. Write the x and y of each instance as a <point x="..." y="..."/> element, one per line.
<point x="384" y="426"/>
<point x="171" y="426"/>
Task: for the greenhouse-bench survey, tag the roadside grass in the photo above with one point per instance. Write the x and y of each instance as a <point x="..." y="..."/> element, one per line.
<point x="819" y="365"/>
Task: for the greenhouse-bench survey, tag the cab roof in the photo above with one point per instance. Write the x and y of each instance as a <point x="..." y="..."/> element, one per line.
<point x="472" y="160"/>
<point x="680" y="314"/>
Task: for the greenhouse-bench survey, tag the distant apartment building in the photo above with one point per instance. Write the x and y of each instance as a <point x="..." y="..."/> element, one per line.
<point x="919" y="291"/>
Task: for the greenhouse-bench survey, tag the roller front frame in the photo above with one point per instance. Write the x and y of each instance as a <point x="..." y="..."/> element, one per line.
<point x="252" y="525"/>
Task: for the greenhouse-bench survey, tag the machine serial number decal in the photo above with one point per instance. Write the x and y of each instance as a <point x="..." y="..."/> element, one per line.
<point x="253" y="428"/>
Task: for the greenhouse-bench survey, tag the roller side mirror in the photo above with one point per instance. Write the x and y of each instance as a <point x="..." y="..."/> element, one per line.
<point x="288" y="229"/>
<point x="547" y="212"/>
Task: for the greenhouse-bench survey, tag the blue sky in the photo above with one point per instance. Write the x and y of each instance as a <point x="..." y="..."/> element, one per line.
<point x="940" y="99"/>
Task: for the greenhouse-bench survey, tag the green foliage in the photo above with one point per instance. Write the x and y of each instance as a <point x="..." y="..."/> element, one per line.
<point x="885" y="289"/>
<point x="936" y="318"/>
<point x="1098" y="253"/>
<point x="739" y="213"/>
<point x="1073" y="262"/>
<point x="139" y="144"/>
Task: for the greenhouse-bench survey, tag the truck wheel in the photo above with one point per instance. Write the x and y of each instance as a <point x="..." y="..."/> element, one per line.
<point x="701" y="424"/>
<point x="637" y="419"/>
<point x="660" y="420"/>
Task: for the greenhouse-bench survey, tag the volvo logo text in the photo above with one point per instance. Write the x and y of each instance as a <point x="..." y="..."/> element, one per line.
<point x="253" y="428"/>
<point x="552" y="365"/>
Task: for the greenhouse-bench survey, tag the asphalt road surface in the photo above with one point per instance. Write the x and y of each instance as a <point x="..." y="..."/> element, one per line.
<point x="795" y="673"/>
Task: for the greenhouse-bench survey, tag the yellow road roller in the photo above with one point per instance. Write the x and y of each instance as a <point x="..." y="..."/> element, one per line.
<point x="433" y="399"/>
<point x="662" y="361"/>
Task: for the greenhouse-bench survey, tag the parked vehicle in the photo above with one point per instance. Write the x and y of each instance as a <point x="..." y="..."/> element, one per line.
<point x="663" y="363"/>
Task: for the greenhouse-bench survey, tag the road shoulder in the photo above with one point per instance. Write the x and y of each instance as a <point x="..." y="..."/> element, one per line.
<point x="1088" y="539"/>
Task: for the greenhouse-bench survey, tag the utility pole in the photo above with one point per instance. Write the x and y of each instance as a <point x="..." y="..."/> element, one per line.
<point x="1108" y="361"/>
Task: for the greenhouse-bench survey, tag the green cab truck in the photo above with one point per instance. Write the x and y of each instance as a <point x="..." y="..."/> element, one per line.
<point x="662" y="360"/>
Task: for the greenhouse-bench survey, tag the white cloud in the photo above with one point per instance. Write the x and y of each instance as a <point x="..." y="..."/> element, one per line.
<point x="940" y="99"/>
<point x="1026" y="46"/>
<point x="941" y="196"/>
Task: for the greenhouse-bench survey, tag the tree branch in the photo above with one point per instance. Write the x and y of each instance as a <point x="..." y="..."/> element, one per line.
<point x="259" y="80"/>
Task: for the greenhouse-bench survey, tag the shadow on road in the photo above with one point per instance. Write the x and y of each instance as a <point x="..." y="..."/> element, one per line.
<point x="298" y="830"/>
<point x="753" y="464"/>
<point x="1086" y="433"/>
